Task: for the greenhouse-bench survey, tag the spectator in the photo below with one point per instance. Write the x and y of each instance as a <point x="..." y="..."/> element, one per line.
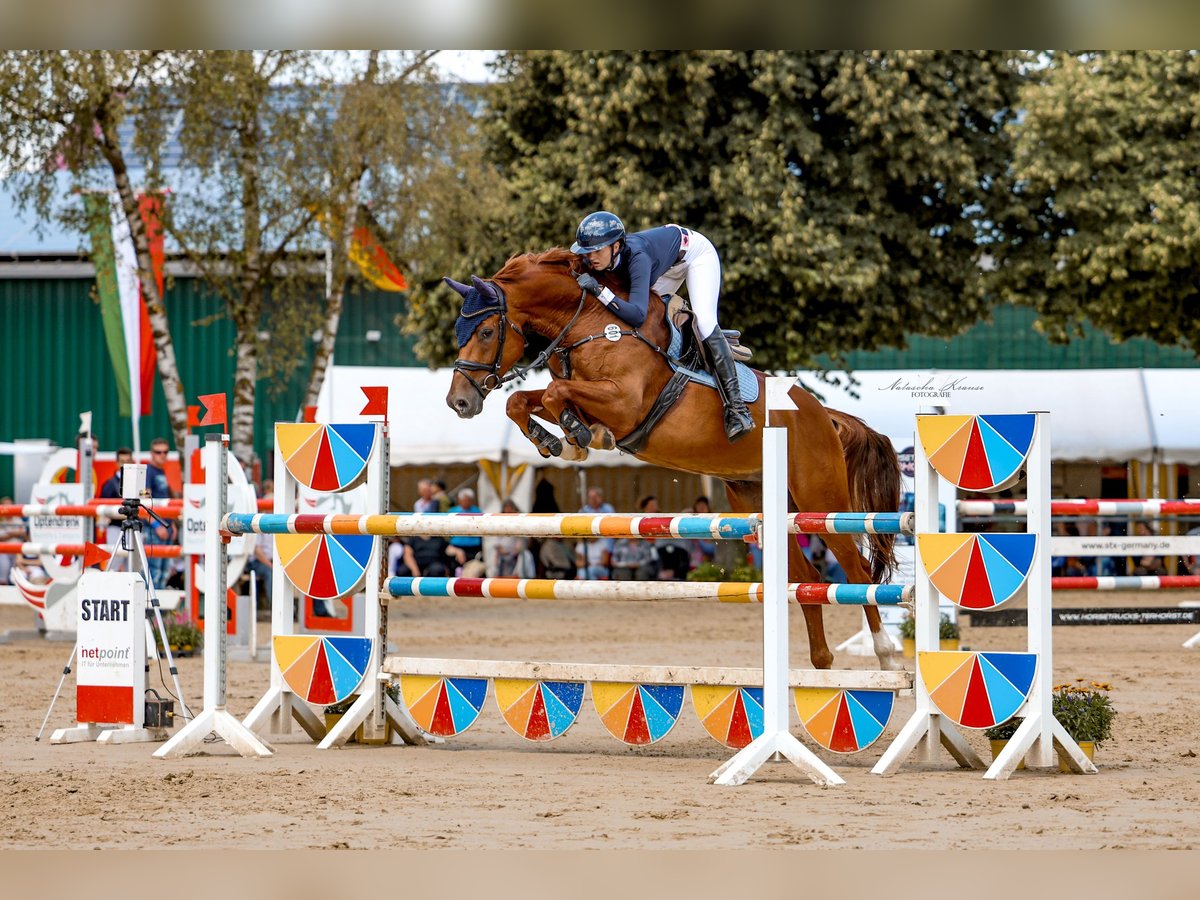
<point x="702" y="550"/>
<point x="1191" y="563"/>
<point x="425" y="502"/>
<point x="442" y="498"/>
<point x="11" y="529"/>
<point x="594" y="555"/>
<point x="111" y="490"/>
<point x="1148" y="564"/>
<point x="402" y="562"/>
<point x="543" y="498"/>
<point x="261" y="562"/>
<point x="512" y="558"/>
<point x="429" y="554"/>
<point x="549" y="559"/>
<point x="464" y="548"/>
<point x="155" y="531"/>
<point x="636" y="559"/>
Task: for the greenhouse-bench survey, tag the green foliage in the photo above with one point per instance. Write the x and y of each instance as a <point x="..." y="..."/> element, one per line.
<point x="845" y="191"/>
<point x="1105" y="219"/>
<point x="746" y="573"/>
<point x="708" y="571"/>
<point x="947" y="628"/>
<point x="181" y="632"/>
<point x="1084" y="711"/>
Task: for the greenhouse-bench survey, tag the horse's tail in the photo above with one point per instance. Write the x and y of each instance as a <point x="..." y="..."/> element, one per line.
<point x="873" y="471"/>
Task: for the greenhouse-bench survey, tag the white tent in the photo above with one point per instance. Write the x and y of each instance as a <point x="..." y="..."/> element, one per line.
<point x="1096" y="414"/>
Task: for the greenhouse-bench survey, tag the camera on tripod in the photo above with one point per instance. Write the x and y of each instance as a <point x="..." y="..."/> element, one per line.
<point x="132" y="480"/>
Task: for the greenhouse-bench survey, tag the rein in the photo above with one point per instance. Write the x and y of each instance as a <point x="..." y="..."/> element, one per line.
<point x="493" y="379"/>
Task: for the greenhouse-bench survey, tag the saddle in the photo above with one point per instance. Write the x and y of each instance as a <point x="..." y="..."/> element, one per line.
<point x="689" y="363"/>
<point x="679" y="315"/>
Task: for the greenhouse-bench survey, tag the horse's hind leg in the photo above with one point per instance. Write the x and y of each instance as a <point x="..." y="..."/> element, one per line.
<point x="802" y="570"/>
<point x="845" y="549"/>
<point x="747" y="497"/>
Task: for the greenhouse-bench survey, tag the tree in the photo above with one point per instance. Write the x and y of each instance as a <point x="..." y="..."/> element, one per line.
<point x="63" y="109"/>
<point x="246" y="190"/>
<point x="847" y="193"/>
<point x="1105" y="220"/>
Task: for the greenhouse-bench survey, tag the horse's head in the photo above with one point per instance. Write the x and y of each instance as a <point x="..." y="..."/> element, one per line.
<point x="489" y="344"/>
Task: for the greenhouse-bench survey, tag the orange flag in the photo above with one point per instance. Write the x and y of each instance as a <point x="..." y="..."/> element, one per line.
<point x="94" y="554"/>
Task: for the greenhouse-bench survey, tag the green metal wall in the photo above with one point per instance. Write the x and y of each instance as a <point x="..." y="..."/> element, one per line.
<point x="1009" y="342"/>
<point x="56" y="363"/>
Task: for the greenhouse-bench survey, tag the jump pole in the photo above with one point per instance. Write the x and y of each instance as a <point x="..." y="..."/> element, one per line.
<point x="776" y="737"/>
<point x="214" y="717"/>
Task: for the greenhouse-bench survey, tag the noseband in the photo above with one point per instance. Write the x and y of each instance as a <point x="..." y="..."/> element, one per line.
<point x="493" y="378"/>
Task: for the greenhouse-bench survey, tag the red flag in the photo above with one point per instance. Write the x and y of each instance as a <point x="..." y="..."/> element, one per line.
<point x="310" y="414"/>
<point x="150" y="207"/>
<point x="377" y="402"/>
<point x="193" y="417"/>
<point x="214" y="409"/>
<point x="94" y="554"/>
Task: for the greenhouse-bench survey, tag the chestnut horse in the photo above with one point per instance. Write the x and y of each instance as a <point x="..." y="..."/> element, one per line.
<point x="606" y="378"/>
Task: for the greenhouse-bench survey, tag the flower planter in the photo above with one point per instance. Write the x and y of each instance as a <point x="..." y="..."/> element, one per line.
<point x="1088" y="748"/>
<point x="909" y="646"/>
<point x="331" y="719"/>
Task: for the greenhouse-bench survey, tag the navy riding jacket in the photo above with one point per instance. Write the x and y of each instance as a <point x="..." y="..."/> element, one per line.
<point x="643" y="260"/>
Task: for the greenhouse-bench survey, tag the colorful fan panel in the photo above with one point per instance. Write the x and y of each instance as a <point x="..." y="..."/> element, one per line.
<point x="443" y="706"/>
<point x="977" y="453"/>
<point x="977" y="690"/>
<point x="539" y="710"/>
<point x="325" y="566"/>
<point x="844" y="721"/>
<point x="322" y="670"/>
<point x="638" y="713"/>
<point x="978" y="571"/>
<point x="732" y="715"/>
<point x="327" y="458"/>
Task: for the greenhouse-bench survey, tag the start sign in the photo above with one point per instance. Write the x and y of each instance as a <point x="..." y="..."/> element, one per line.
<point x="110" y="676"/>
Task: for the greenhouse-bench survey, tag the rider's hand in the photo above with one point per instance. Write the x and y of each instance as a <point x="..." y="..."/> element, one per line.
<point x="587" y="281"/>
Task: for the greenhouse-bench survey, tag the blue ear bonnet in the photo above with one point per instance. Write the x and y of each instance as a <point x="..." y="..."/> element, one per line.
<point x="476" y="307"/>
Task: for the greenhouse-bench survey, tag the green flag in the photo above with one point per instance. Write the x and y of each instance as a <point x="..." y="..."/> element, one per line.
<point x="99" y="214"/>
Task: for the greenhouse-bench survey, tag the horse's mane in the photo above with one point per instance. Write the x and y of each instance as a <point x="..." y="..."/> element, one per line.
<point x="519" y="265"/>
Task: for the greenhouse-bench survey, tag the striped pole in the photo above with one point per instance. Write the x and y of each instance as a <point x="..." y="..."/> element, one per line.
<point x="1124" y="582"/>
<point x="110" y="510"/>
<point x="720" y="527"/>
<point x="1083" y="507"/>
<point x="728" y="592"/>
<point x="169" y="551"/>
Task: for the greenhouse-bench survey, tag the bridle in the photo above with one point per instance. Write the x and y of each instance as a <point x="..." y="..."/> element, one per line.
<point x="493" y="379"/>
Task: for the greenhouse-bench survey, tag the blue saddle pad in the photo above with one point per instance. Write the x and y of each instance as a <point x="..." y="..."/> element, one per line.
<point x="747" y="382"/>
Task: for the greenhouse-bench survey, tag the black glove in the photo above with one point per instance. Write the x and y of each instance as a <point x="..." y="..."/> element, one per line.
<point x="587" y="281"/>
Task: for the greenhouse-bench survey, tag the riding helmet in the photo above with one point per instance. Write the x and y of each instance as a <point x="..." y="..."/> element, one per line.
<point x="596" y="232"/>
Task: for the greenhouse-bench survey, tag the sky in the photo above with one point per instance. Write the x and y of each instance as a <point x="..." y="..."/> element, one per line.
<point x="467" y="65"/>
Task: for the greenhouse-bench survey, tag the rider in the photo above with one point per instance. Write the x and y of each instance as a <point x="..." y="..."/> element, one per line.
<point x="661" y="259"/>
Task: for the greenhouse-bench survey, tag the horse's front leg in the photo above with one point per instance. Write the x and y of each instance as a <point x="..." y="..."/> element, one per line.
<point x="523" y="406"/>
<point x="602" y="401"/>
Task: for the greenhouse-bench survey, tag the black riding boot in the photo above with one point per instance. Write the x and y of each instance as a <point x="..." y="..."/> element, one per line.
<point x="738" y="420"/>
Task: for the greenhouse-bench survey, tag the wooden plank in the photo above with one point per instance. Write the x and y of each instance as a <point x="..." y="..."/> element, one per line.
<point x="855" y="679"/>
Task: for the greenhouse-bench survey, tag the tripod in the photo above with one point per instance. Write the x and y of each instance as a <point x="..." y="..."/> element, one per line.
<point x="132" y="544"/>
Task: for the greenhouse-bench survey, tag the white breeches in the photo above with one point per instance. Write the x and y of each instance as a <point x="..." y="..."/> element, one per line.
<point x="701" y="268"/>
